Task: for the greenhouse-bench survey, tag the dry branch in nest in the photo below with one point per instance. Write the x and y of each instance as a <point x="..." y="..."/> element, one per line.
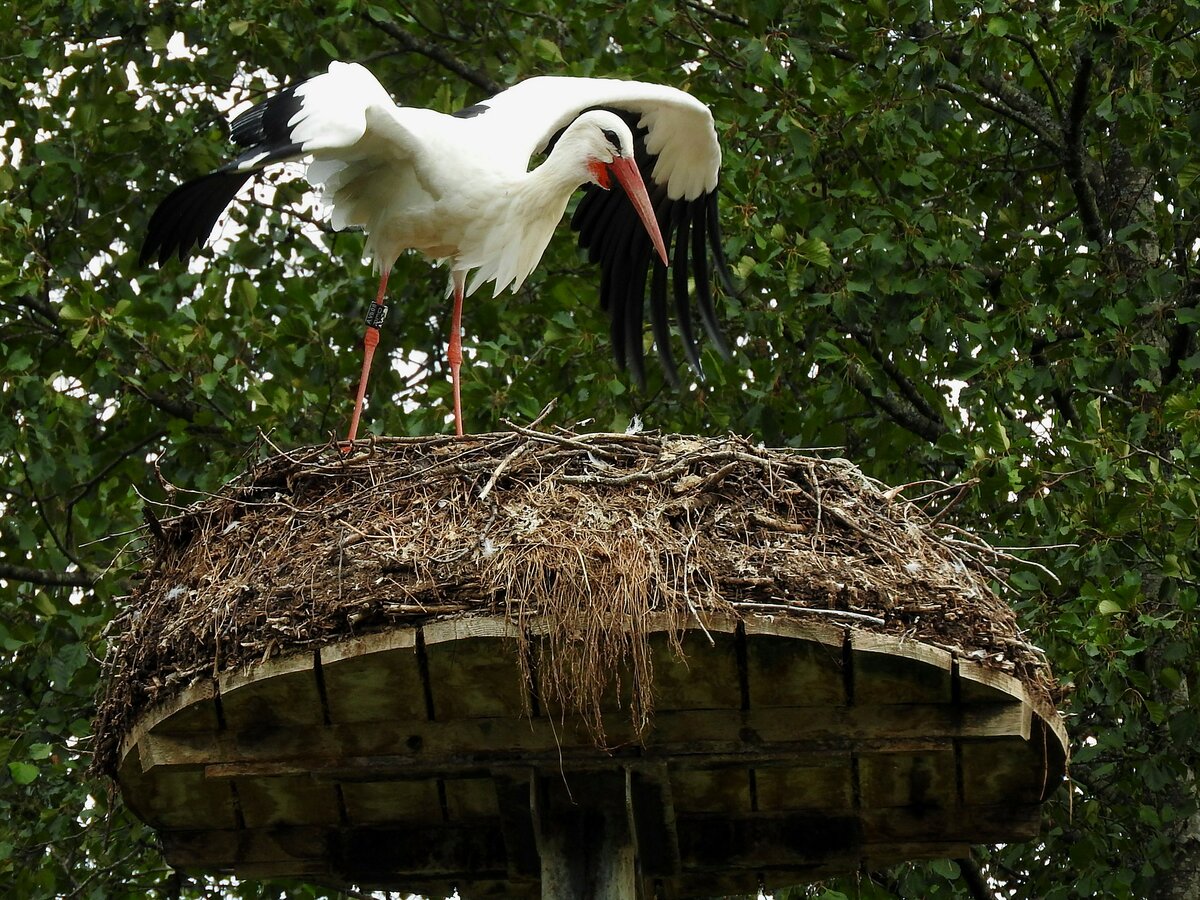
<point x="576" y="539"/>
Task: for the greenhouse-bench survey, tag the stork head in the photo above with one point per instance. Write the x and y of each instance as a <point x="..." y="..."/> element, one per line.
<point x="606" y="145"/>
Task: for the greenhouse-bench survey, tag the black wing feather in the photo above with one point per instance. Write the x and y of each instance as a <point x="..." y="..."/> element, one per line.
<point x="720" y="264"/>
<point x="635" y="303"/>
<point x="613" y="236"/>
<point x="186" y="217"/>
<point x="660" y="325"/>
<point x="679" y="282"/>
<point x="704" y="301"/>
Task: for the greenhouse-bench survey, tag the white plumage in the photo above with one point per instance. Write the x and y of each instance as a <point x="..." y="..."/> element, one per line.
<point x="459" y="188"/>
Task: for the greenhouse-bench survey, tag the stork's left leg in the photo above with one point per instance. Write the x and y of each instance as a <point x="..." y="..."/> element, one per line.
<point x="454" y="350"/>
<point x="370" y="342"/>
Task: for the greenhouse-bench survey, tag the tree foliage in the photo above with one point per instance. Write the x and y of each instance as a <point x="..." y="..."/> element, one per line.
<point x="967" y="235"/>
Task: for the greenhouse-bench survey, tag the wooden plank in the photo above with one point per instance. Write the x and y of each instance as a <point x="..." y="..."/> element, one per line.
<point x="678" y="735"/>
<point x="704" y="677"/>
<point x="449" y="630"/>
<point x="993" y="824"/>
<point x="473" y="669"/>
<point x="392" y="802"/>
<point x="716" y="841"/>
<point x="515" y="801"/>
<point x="983" y="684"/>
<point x="192" y="710"/>
<point x="374" y="678"/>
<point x="919" y="780"/>
<point x="800" y="628"/>
<point x="788" y="672"/>
<point x="471" y="798"/>
<point x="784" y="787"/>
<point x="712" y="622"/>
<point x="281" y="691"/>
<point x="715" y="790"/>
<point x="289" y="800"/>
<point x="454" y="851"/>
<point x="175" y="798"/>
<point x="221" y="848"/>
<point x="719" y="853"/>
<point x="1016" y="770"/>
<point x="653" y="807"/>
<point x="888" y="669"/>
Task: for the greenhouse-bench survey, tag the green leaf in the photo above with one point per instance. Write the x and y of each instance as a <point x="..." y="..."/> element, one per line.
<point x="157" y="37"/>
<point x="947" y="868"/>
<point x="23" y="772"/>
<point x="1188" y="174"/>
<point x="547" y="50"/>
<point x="238" y="27"/>
<point x="44" y="604"/>
<point x="19" y="360"/>
<point x="1110" y="607"/>
<point x="815" y="251"/>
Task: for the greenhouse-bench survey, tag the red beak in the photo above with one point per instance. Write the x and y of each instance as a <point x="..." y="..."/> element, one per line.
<point x="627" y="173"/>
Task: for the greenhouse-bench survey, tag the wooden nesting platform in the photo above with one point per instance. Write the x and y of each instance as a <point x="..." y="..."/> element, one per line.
<point x="781" y="750"/>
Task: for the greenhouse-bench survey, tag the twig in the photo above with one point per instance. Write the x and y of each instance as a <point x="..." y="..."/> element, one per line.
<point x="982" y="546"/>
<point x="491" y="482"/>
<point x="1055" y="98"/>
<point x="559" y="439"/>
<point x="47" y="577"/>
<point x="862" y="617"/>
<point x="439" y="55"/>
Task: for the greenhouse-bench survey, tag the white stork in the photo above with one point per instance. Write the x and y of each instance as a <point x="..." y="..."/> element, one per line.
<point x="458" y="188"/>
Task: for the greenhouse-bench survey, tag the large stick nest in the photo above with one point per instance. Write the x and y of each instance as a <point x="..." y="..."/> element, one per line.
<point x="590" y="533"/>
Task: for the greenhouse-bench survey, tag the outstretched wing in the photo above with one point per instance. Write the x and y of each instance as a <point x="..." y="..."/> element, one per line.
<point x="325" y="115"/>
<point x="680" y="159"/>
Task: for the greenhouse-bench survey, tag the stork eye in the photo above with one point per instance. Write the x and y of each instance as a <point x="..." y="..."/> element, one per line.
<point x="611" y="137"/>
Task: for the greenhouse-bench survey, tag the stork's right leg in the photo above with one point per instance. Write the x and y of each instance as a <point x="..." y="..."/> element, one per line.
<point x="370" y="342"/>
<point x="454" y="350"/>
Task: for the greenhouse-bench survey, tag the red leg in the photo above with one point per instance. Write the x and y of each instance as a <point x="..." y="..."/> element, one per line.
<point x="454" y="351"/>
<point x="370" y="342"/>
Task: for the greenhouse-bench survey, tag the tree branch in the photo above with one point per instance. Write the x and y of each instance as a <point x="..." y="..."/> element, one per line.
<point x="1000" y="106"/>
<point x="1089" y="212"/>
<point x="972" y="877"/>
<point x="899" y="410"/>
<point x="907" y="388"/>
<point x="1180" y="342"/>
<point x="827" y="48"/>
<point x="1060" y="395"/>
<point x="1051" y="87"/>
<point x="1014" y="103"/>
<point x="715" y="13"/>
<point x="438" y="54"/>
<point x="47" y="577"/>
<point x="83" y="489"/>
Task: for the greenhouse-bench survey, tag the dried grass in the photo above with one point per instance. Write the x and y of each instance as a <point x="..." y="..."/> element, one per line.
<point x="583" y="535"/>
